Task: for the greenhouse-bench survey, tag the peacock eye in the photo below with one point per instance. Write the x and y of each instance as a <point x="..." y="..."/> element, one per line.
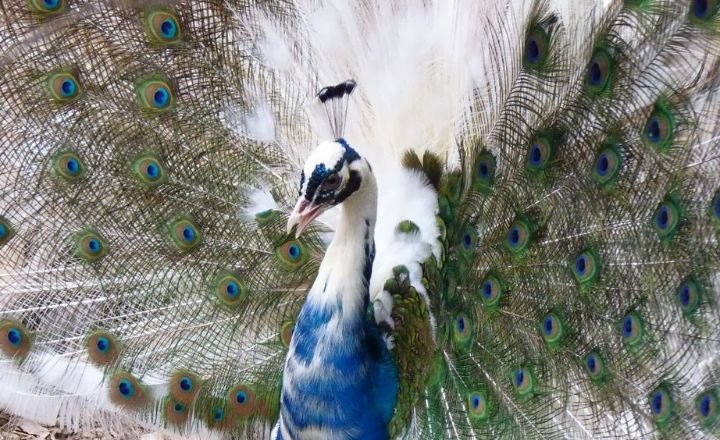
<point x="332" y="182"/>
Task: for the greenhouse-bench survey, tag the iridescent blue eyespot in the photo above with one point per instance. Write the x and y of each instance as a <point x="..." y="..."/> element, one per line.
<point x="661" y="405"/>
<point x="14" y="336"/>
<point x="552" y="329"/>
<point x="186" y="384"/>
<point x="666" y="219"/>
<point x="126" y="391"/>
<point x="162" y="26"/>
<point x="478" y="405"/>
<point x="491" y="291"/>
<point x="161" y="97"/>
<point x="518" y="236"/>
<point x="102" y="344"/>
<point x="468" y="241"/>
<point x="46" y="7"/>
<point x="68" y="165"/>
<point x="689" y="295"/>
<point x="706" y="407"/>
<point x="184" y="234"/>
<point x="703" y="11"/>
<point x="63" y="86"/>
<point x="155" y="95"/>
<point x="6" y="230"/>
<point x="102" y="348"/>
<point x="539" y="154"/>
<point x="537" y="44"/>
<point x="90" y="246"/>
<point x="715" y="209"/>
<point x="15" y="341"/>
<point x="292" y="254"/>
<point x="484" y="176"/>
<point x="229" y="289"/>
<point x="632" y="328"/>
<point x="126" y="388"/>
<point x="241" y="400"/>
<point x="659" y="128"/>
<point x="218" y="414"/>
<point x="462" y="330"/>
<point x="523" y="381"/>
<point x="148" y="170"/>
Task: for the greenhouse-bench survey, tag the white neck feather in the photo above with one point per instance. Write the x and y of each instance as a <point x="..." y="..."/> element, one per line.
<point x="340" y="278"/>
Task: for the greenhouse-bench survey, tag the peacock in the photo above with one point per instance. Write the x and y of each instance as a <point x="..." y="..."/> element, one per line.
<point x="331" y="219"/>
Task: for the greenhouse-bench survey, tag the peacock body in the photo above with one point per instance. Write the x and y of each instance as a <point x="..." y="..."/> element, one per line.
<point x="505" y="226"/>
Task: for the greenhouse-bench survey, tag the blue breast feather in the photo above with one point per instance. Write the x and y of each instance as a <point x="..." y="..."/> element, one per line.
<point x="357" y="392"/>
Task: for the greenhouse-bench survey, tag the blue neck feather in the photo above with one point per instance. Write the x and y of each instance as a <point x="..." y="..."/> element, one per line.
<point x="339" y="380"/>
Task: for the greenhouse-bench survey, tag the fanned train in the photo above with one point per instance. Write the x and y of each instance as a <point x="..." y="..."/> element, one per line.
<point x="421" y="219"/>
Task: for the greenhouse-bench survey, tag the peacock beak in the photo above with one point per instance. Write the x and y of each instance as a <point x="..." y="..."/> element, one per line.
<point x="303" y="214"/>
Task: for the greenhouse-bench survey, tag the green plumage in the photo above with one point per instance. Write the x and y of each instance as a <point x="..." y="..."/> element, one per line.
<point x="574" y="292"/>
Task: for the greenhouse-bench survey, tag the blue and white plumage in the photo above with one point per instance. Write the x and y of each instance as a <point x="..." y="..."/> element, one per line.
<point x="190" y="243"/>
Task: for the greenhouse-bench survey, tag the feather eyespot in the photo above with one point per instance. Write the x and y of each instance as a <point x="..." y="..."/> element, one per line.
<point x="599" y="70"/>
<point x="689" y="295"/>
<point x="103" y="348"/>
<point x="176" y="412"/>
<point x="632" y="329"/>
<point x="241" y="400"/>
<point x="539" y="154"/>
<point x="162" y="26"/>
<point x="148" y="170"/>
<point x="184" y="234"/>
<point x="6" y="230"/>
<point x="155" y="95"/>
<point x="595" y="367"/>
<point x="706" y="407"/>
<point x="484" y="176"/>
<point x="491" y="291"/>
<point x="478" y="406"/>
<point x="229" y="289"/>
<point x="666" y="220"/>
<point x="659" y="128"/>
<point x="468" y="241"/>
<point x="291" y="254"/>
<point x="47" y="7"/>
<point x="715" y="208"/>
<point x="90" y="246"/>
<point x="462" y="330"/>
<point x="215" y="413"/>
<point x="703" y="11"/>
<point x="518" y="237"/>
<point x="68" y="166"/>
<point x="287" y="329"/>
<point x="523" y="381"/>
<point x="552" y="329"/>
<point x="537" y="47"/>
<point x="127" y="391"/>
<point x="586" y="268"/>
<point x="63" y="87"/>
<point x="184" y="386"/>
<point x="606" y="166"/>
<point x="15" y="340"/>
<point x="661" y="405"/>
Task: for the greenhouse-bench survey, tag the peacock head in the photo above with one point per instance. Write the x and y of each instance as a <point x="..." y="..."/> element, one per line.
<point x="332" y="173"/>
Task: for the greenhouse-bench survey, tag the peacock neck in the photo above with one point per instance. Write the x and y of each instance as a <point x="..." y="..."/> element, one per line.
<point x="344" y="273"/>
<point x="329" y="365"/>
